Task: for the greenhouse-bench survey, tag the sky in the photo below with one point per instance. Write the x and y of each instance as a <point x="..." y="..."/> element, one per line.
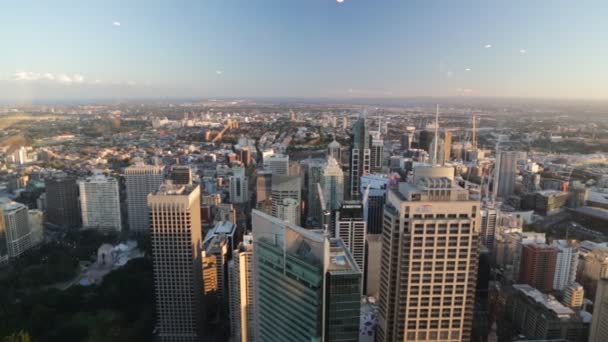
<point x="105" y="49"/>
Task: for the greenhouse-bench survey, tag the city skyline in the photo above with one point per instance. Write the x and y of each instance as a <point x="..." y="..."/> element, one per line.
<point x="314" y="49"/>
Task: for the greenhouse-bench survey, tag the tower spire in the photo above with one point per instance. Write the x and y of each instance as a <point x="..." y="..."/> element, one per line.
<point x="436" y="135"/>
<point x="475" y="134"/>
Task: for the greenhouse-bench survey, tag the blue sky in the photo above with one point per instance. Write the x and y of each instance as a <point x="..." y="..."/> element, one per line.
<point x="303" y="48"/>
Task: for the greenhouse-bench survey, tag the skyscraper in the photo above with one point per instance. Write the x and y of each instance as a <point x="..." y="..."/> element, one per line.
<point x="239" y="186"/>
<point x="242" y="323"/>
<point x="429" y="260"/>
<point x="360" y="156"/>
<point x="177" y="257"/>
<point x="373" y="193"/>
<point x="278" y="164"/>
<point x="406" y="140"/>
<point x="447" y="146"/>
<point x="334" y="149"/>
<point x="15" y="233"/>
<point x="425" y="139"/>
<point x="285" y="187"/>
<point x="352" y="229"/>
<point x="62" y="201"/>
<point x="288" y="210"/>
<point x="141" y="180"/>
<point x="314" y="169"/>
<point x="489" y="215"/>
<point x="307" y="285"/>
<point x="263" y="185"/>
<point x="566" y="264"/>
<point x="100" y="203"/>
<point x="376" y="152"/>
<point x="538" y="266"/>
<point x="181" y="174"/>
<point x="506" y="168"/>
<point x="332" y="184"/>
<point x="440" y="151"/>
<point x="3" y="242"/>
<point x="599" y="323"/>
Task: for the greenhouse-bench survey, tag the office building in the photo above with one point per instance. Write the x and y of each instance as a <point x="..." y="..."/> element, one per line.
<point x="373" y="193"/>
<point x="508" y="250"/>
<point x="373" y="264"/>
<point x="549" y="202"/>
<point x="15" y="232"/>
<point x="182" y="174"/>
<point x="538" y="316"/>
<point x="141" y="180"/>
<point x="225" y="212"/>
<point x="334" y="149"/>
<point x="332" y="184"/>
<point x="314" y="168"/>
<point x="352" y="228"/>
<point x="62" y="201"/>
<point x="566" y="264"/>
<point x="226" y="228"/>
<point x="406" y="140"/>
<point x="538" y="264"/>
<point x="100" y="203"/>
<point x="489" y="215"/>
<point x="506" y="171"/>
<point x="285" y="187"/>
<point x="177" y="258"/>
<point x="440" y="151"/>
<point x="425" y="139"/>
<point x="3" y="240"/>
<point x="307" y="286"/>
<point x="239" y="186"/>
<point x="245" y="155"/>
<point x="360" y="157"/>
<point x="242" y="322"/>
<point x="447" y="146"/>
<point x="278" y="164"/>
<point x="429" y="260"/>
<point x="263" y="185"/>
<point x="342" y="302"/>
<point x="574" y="296"/>
<point x="216" y="249"/>
<point x="35" y="220"/>
<point x="376" y="153"/>
<point x="599" y="323"/>
<point x="288" y="210"/>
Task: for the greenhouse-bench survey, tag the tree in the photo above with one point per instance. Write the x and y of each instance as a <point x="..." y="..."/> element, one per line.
<point x="21" y="336"/>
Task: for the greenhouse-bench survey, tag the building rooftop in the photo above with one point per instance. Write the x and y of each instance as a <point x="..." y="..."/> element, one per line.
<point x="340" y="259"/>
<point x="598" y="213"/>
<point x="170" y="188"/>
<point x="547" y="301"/>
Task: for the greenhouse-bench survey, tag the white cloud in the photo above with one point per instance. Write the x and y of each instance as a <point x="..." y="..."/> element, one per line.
<point x="26" y="76"/>
<point x="31" y="76"/>
<point x="464" y="91"/>
<point x="487" y="46"/>
<point x="62" y="78"/>
<point x="523" y="51"/>
<point x="116" y="23"/>
<point x="467" y="69"/>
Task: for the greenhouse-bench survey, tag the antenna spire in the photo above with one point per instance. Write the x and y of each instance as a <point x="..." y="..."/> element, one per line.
<point x="475" y="134"/>
<point x="436" y="135"/>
